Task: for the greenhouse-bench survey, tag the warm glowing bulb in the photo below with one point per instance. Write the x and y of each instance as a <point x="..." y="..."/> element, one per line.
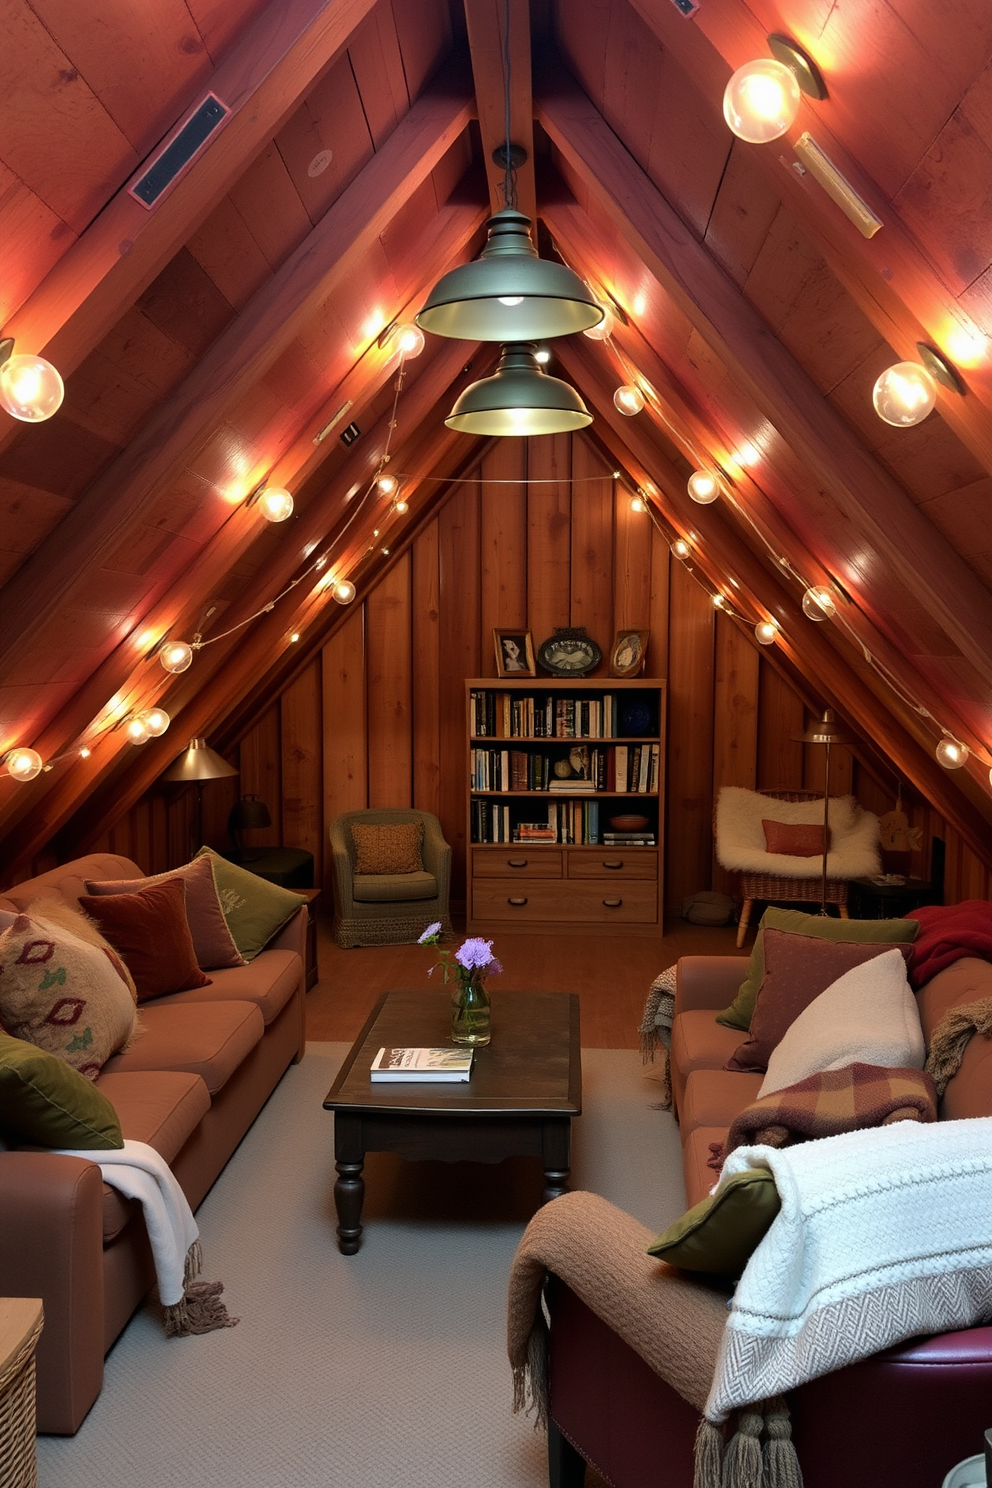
<point x="137" y="730"/>
<point x="295" y="637"/>
<point x="388" y="485"/>
<point x="176" y="656"/>
<point x="401" y="506"/>
<point x="904" y="394"/>
<point x="409" y="340"/>
<point x="511" y="300"/>
<point x="156" y="721"/>
<point x="275" y="504"/>
<point x="30" y="388"/>
<point x="23" y="764"/>
<point x="604" y="330"/>
<point x="344" y="591"/>
<point x="638" y="504"/>
<point x="542" y="357"/>
<point x="85" y="753"/>
<point x="703" y="487"/>
<point x="719" y="602"/>
<point x="761" y="100"/>
<point x="628" y="400"/>
<point x="818" y="603"/>
<point x="951" y="754"/>
<point x="681" y="548"/>
<point x="765" y="632"/>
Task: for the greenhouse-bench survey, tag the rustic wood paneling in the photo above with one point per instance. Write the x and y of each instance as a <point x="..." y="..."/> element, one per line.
<point x="300" y="717"/>
<point x="631" y="566"/>
<point x="735" y="721"/>
<point x="688" y="822"/>
<point x="549" y="509"/>
<point x="780" y="760"/>
<point x="661" y="563"/>
<point x="592" y="546"/>
<point x="461" y="655"/>
<point x="344" y="720"/>
<point x="503" y="526"/>
<point x="427" y="671"/>
<point x="261" y="775"/>
<point x="388" y="688"/>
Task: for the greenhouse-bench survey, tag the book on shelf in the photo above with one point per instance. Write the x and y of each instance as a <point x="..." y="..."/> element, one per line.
<point x="628" y="839"/>
<point x="396" y="1065"/>
<point x="571" y="787"/>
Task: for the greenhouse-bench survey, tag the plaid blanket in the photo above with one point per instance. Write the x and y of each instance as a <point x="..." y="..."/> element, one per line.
<point x="826" y="1104"/>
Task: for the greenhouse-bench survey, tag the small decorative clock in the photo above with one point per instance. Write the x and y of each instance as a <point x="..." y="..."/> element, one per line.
<point x="569" y="652"/>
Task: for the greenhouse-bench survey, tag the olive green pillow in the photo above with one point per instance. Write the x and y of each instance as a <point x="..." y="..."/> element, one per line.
<point x="823" y="927"/>
<point x="45" y="1102"/>
<point x="720" y="1234"/>
<point x="254" y="909"/>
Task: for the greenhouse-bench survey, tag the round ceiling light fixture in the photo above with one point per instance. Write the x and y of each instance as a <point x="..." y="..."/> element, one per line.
<point x="275" y="504"/>
<point x="904" y="394"/>
<point x="762" y="98"/>
<point x="518" y="399"/>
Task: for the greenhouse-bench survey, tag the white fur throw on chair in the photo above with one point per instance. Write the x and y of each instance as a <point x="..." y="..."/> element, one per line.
<point x="740" y="837"/>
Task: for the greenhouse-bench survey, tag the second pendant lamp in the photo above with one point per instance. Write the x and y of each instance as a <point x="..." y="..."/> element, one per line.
<point x="519" y="399"/>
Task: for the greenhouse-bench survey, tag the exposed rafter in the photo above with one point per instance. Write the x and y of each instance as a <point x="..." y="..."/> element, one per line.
<point x="487" y="37"/>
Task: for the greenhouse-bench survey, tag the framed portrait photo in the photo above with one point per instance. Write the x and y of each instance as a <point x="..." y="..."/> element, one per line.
<point x="629" y="651"/>
<point x="514" y="653"/>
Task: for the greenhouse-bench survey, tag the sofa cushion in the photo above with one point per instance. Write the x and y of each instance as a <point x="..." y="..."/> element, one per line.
<point x="718" y="1235"/>
<point x="269" y="982"/>
<point x="210" y="1040"/>
<point x="698" y="1042"/>
<point x="160" y="1107"/>
<point x="212" y="942"/>
<point x="254" y="909"/>
<point x="823" y="927"/>
<point x="797" y="969"/>
<point x="64" y="995"/>
<point x="382" y="888"/>
<point x="388" y="847"/>
<point x="45" y="1102"/>
<point x="714" y="1098"/>
<point x="150" y="930"/>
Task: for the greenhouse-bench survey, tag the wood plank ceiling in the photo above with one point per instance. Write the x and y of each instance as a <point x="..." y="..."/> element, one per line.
<point x="206" y="342"/>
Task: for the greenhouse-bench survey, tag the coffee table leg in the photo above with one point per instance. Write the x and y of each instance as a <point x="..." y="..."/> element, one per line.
<point x="349" y="1192"/>
<point x="557" y="1144"/>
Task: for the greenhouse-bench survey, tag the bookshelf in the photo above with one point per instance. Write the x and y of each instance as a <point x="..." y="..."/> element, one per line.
<point x="554" y="766"/>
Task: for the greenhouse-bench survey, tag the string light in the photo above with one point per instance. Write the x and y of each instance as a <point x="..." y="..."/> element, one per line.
<point x="604" y="330"/>
<point x="156" y="721"/>
<point x="703" y="487"/>
<point x="388" y="485"/>
<point x="951" y="753"/>
<point x="176" y="656"/>
<point x="681" y="549"/>
<point x="408" y="340"/>
<point x="401" y="507"/>
<point x="761" y="101"/>
<point x="85" y="753"/>
<point x="294" y="637"/>
<point x="818" y="603"/>
<point x="638" y="504"/>
<point x="22" y="764"/>
<point x="275" y="504"/>
<point x="30" y="388"/>
<point x="766" y="632"/>
<point x="344" y="591"/>
<point x="904" y="394"/>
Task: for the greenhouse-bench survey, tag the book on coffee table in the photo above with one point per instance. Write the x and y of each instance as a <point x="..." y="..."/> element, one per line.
<point x="422" y="1064"/>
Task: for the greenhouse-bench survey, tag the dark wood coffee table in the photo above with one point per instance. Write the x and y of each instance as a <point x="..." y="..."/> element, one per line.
<point x="525" y="1088"/>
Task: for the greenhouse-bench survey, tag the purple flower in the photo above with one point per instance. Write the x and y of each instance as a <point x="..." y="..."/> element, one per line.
<point x="430" y="935"/>
<point x="476" y="954"/>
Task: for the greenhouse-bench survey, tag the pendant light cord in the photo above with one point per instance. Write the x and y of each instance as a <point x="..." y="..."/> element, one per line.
<point x="509" y="173"/>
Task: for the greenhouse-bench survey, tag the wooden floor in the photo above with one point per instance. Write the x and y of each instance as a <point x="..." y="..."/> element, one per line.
<point x="611" y="975"/>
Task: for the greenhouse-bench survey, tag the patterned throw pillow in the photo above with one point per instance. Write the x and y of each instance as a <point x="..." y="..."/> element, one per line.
<point x="64" y="996"/>
<point x="212" y="940"/>
<point x="388" y="849"/>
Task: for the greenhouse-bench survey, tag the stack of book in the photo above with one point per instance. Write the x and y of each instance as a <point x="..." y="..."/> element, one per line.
<point x="628" y="839"/>
<point x="571" y="787"/>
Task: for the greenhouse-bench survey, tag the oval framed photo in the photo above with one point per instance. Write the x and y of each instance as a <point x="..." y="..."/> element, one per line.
<point x="628" y="654"/>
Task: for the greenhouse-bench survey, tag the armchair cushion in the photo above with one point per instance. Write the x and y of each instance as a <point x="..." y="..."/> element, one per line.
<point x="740" y="837"/>
<point x="380" y="888"/>
<point x="388" y="849"/>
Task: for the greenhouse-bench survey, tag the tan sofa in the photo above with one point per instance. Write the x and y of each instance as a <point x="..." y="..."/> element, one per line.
<point x="190" y="1086"/>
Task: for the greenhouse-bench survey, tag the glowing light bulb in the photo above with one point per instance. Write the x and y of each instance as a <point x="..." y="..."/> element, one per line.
<point x="638" y="504"/>
<point x="511" y="300"/>
<point x="703" y="487"/>
<point x="409" y="341"/>
<point x="951" y="753"/>
<point x="719" y="602"/>
<point x="401" y="506"/>
<point x="137" y="730"/>
<point x="344" y="591"/>
<point x="761" y="100"/>
<point x="275" y="504"/>
<point x="681" y="548"/>
<point x="156" y="721"/>
<point x="904" y="394"/>
<point x="30" y="388"/>
<point x="818" y="603"/>
<point x="176" y="656"/>
<point x="604" y="330"/>
<point x="23" y="764"/>
<point x="388" y="485"/>
<point x="628" y="400"/>
<point x="765" y="632"/>
<point x="295" y="637"/>
<point x="85" y="753"/>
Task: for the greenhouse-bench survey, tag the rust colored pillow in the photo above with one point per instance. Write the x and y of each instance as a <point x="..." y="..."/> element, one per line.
<point x="150" y="931"/>
<point x="388" y="849"/>
<point x="797" y="839"/>
<point x="797" y="969"/>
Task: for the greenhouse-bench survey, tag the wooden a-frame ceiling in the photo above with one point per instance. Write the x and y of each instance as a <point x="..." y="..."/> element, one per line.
<point x="206" y="342"/>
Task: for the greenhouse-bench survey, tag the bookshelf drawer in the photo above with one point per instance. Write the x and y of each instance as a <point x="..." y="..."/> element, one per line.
<point x="613" y="863"/>
<point x="516" y="860"/>
<point x="598" y="901"/>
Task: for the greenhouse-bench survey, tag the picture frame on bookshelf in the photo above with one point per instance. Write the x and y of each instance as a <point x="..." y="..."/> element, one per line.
<point x="629" y="652"/>
<point x="514" y="653"/>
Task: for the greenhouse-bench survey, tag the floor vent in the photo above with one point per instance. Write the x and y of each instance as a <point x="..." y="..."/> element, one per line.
<point x="180" y="151"/>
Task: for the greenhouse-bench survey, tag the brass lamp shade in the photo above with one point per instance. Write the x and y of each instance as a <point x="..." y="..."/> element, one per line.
<point x="509" y="293"/>
<point x="200" y="762"/>
<point x="518" y="399"/>
<point x="826" y="730"/>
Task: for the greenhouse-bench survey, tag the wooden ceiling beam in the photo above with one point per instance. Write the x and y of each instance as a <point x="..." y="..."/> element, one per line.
<point x="871" y="500"/>
<point x="487" y="40"/>
<point x="262" y="78"/>
<point x="241" y="354"/>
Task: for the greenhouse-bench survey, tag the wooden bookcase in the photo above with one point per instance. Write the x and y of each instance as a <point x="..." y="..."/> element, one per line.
<point x="577" y="880"/>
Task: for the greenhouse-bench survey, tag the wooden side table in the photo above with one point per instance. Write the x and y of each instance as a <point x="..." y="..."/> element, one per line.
<point x="21" y="1320"/>
<point x="869" y="900"/>
<point x="312" y="895"/>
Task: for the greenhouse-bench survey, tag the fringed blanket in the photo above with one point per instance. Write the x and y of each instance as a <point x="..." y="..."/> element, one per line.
<point x="948" y="932"/>
<point x="826" y="1104"/>
<point x="952" y="1036"/>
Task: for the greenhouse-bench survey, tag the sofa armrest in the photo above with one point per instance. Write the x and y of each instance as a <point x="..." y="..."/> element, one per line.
<point x="51" y="1246"/>
<point x="293" y="935"/>
<point x="708" y="981"/>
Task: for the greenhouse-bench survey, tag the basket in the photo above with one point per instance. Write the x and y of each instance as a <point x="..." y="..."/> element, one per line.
<point x="18" y="1462"/>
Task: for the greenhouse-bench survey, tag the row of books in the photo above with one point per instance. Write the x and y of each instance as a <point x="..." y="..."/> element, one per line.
<point x="574" y="823"/>
<point x="507" y="715"/>
<point x="627" y="768"/>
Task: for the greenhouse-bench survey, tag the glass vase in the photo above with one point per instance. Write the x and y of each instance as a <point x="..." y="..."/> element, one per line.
<point x="471" y="1014"/>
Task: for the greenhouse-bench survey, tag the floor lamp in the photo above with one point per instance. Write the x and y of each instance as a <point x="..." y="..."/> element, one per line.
<point x="825" y="731"/>
<point x="199" y="764"/>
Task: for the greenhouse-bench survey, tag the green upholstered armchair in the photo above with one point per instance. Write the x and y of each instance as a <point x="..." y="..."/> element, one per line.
<point x="388" y="908"/>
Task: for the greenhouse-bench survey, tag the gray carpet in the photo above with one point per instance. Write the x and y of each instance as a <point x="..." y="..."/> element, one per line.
<point x="372" y="1371"/>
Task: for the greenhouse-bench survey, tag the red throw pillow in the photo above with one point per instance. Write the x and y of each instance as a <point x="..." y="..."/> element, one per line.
<point x="151" y="932"/>
<point x="797" y="969"/>
<point x="798" y="839"/>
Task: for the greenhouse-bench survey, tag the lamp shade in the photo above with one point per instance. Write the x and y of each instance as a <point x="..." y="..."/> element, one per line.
<point x="509" y="293"/>
<point x="826" y="730"/>
<point x="518" y="399"/>
<point x="248" y="814"/>
<point x="200" y="762"/>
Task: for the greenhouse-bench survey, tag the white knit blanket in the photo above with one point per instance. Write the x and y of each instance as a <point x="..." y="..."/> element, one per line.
<point x="138" y="1171"/>
<point x="883" y="1234"/>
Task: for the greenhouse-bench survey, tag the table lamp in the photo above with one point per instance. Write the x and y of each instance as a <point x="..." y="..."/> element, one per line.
<point x="825" y="731"/>
<point x="199" y="764"/>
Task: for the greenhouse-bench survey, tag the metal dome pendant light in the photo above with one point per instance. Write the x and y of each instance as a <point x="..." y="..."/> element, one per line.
<point x="519" y="399"/>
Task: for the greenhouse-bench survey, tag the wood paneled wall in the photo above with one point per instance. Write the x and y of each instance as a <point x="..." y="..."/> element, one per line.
<point x="377" y="716"/>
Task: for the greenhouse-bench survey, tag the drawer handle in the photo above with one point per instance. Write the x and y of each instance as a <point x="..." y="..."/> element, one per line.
<point x="516" y="862"/>
<point x="517" y="902"/>
<point x="617" y="864"/>
<point x="612" y="903"/>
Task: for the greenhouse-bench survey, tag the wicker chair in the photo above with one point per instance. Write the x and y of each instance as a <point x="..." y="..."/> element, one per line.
<point x="389" y="908"/>
<point x="773" y="888"/>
